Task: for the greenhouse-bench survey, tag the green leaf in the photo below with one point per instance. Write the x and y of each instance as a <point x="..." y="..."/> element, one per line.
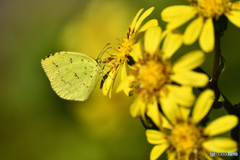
<point x="220" y="99"/>
<point x="222" y="65"/>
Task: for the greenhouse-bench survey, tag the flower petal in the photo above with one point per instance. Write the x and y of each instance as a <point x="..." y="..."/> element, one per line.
<point x="155" y="137"/>
<point x="158" y="150"/>
<point x="152" y="39"/>
<point x="221" y="125"/>
<point x="136" y="52"/>
<point x="174" y="12"/>
<point x="181" y="20"/>
<point x="143" y="16"/>
<point x="149" y="24"/>
<point x="171" y="44"/>
<point x="206" y="39"/>
<point x="165" y="123"/>
<point x="190" y="78"/>
<point x="202" y="105"/>
<point x="234" y="17"/>
<point x="108" y="83"/>
<point x="170" y="108"/>
<point x="158" y="119"/>
<point x="189" y="61"/>
<point x="124" y="72"/>
<point x="185" y="99"/>
<point x="220" y="145"/>
<point x="137" y="107"/>
<point x="154" y="113"/>
<point x="185" y="112"/>
<point x="171" y="155"/>
<point x="124" y="75"/>
<point x="135" y="19"/>
<point x="193" y="30"/>
<point x="125" y="85"/>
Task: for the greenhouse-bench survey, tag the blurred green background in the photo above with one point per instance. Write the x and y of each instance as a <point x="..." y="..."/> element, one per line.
<point x="35" y="124"/>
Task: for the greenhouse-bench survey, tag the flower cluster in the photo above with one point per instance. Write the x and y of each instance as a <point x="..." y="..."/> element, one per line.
<point x="184" y="138"/>
<point x="205" y="12"/>
<point x="163" y="88"/>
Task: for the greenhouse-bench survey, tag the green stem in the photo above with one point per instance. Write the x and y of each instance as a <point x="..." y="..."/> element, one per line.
<point x="215" y="73"/>
<point x="214" y="85"/>
<point x="217" y="55"/>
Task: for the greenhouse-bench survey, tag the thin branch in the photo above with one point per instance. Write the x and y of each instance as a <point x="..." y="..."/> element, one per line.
<point x="214" y="85"/>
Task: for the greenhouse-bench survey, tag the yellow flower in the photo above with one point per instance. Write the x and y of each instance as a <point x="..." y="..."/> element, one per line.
<point x="153" y="78"/>
<point x="184" y="138"/>
<point x="122" y="54"/>
<point x="204" y="11"/>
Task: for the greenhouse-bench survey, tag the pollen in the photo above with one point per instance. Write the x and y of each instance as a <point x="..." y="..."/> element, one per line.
<point x="186" y="137"/>
<point x="154" y="75"/>
<point x="213" y="8"/>
<point x="125" y="47"/>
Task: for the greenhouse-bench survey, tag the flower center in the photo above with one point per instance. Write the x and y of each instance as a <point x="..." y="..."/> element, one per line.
<point x="213" y="8"/>
<point x="153" y="75"/>
<point x="186" y="137"/>
<point x="122" y="52"/>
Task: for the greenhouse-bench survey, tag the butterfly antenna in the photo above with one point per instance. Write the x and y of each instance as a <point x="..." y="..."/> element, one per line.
<point x="103" y="51"/>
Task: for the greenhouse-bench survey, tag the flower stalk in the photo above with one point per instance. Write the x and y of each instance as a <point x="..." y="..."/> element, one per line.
<point x="214" y="85"/>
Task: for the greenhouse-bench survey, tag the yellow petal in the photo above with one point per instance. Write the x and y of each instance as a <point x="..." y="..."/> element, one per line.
<point x="135" y="19"/>
<point x="156" y="116"/>
<point x="158" y="150"/>
<point x="171" y="44"/>
<point x="124" y="72"/>
<point x="189" y="61"/>
<point x="234" y="17"/>
<point x="155" y="137"/>
<point x="110" y="92"/>
<point x="193" y="30"/>
<point x="171" y="155"/>
<point x="124" y="75"/>
<point x="202" y="105"/>
<point x="181" y="20"/>
<point x="165" y="33"/>
<point x="170" y="108"/>
<point x="152" y="39"/>
<point x="125" y="83"/>
<point x="220" y="145"/>
<point x="221" y="125"/>
<point x="108" y="83"/>
<point x="143" y="16"/>
<point x="174" y="12"/>
<point x="154" y="113"/>
<point x="182" y="94"/>
<point x="165" y="123"/>
<point x="136" y="52"/>
<point x="190" y="78"/>
<point x="136" y="107"/>
<point x="206" y="39"/>
<point x="185" y="112"/>
<point x="149" y="24"/>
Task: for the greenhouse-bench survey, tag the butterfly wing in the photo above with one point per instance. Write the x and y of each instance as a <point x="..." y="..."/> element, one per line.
<point x="73" y="76"/>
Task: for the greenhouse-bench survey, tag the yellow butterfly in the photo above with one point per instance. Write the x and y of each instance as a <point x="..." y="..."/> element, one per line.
<point x="73" y="76"/>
